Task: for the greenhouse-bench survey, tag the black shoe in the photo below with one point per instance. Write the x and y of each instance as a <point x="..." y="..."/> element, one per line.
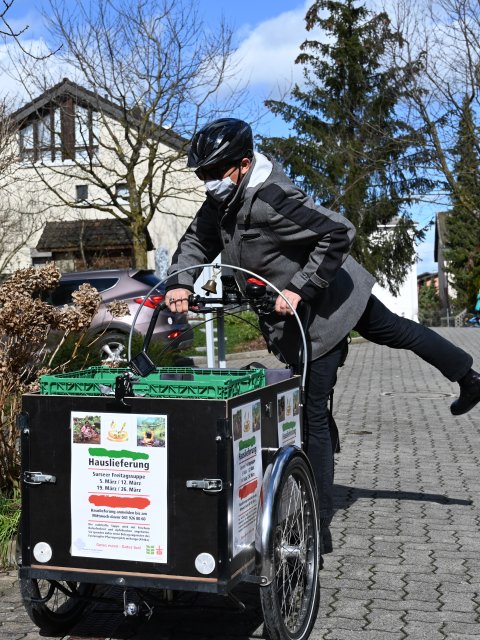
<point x="469" y="393"/>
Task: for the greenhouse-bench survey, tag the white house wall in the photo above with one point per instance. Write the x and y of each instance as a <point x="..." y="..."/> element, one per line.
<point x="405" y="304"/>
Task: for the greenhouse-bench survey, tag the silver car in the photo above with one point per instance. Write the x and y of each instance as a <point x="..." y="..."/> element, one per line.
<point x="132" y="286"/>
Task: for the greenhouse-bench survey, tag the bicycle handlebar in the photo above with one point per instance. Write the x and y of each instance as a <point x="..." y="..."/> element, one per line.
<point x="261" y="300"/>
<point x="207" y="304"/>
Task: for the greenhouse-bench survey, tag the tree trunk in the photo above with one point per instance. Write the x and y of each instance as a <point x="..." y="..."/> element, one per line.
<point x="139" y="257"/>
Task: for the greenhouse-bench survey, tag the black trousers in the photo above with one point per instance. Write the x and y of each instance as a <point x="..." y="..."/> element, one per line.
<point x="378" y="324"/>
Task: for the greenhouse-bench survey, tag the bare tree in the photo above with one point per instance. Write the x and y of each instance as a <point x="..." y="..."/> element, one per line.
<point x="8" y="33"/>
<point x="152" y="72"/>
<point x="7" y="30"/>
<point x="442" y="39"/>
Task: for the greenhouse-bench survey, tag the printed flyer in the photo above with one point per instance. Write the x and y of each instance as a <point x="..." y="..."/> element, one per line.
<point x="119" y="486"/>
<point x="247" y="473"/>
<point x="288" y="413"/>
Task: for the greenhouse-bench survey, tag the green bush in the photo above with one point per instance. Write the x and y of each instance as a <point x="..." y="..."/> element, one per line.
<point x="75" y="352"/>
<point x="9" y="523"/>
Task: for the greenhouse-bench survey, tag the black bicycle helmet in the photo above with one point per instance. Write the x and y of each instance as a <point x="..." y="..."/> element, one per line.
<point x="220" y="142"/>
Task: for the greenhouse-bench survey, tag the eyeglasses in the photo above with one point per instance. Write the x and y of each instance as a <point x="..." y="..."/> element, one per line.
<point x="214" y="173"/>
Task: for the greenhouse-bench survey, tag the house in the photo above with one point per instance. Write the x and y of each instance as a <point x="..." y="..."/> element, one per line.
<point x="427" y="278"/>
<point x="81" y="165"/>
<point x="72" y="244"/>
<point x="405" y="303"/>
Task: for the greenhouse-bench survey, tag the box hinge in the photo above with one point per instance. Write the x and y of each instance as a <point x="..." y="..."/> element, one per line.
<point x="209" y="485"/>
<point x="37" y="477"/>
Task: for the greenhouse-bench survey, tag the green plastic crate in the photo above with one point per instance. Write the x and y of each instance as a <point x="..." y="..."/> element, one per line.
<point x="165" y="382"/>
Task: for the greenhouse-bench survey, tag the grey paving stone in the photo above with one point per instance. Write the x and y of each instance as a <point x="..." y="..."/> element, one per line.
<point x="340" y="634"/>
<point x="442" y="617"/>
<point x="385" y="620"/>
<point x="421" y="631"/>
<point x="459" y="601"/>
<point x="345" y="623"/>
<point x="461" y="627"/>
<point x="384" y="580"/>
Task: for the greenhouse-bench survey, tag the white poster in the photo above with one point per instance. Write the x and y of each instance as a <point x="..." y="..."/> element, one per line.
<point x="119" y="486"/>
<point x="247" y="472"/>
<point x="288" y="413"/>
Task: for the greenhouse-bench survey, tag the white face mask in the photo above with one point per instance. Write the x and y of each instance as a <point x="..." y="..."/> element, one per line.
<point x="220" y="190"/>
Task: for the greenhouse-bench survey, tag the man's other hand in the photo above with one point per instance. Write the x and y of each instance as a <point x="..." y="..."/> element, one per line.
<point x="281" y="305"/>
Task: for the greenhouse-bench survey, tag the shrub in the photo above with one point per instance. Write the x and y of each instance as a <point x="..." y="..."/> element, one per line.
<point x="9" y="523"/>
<point x="26" y="322"/>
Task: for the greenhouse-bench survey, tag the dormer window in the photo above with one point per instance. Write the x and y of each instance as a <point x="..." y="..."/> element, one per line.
<point x="66" y="132"/>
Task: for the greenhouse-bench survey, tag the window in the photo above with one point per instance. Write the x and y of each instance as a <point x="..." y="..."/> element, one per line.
<point x="27" y="144"/>
<point x="44" y="134"/>
<point x="41" y="139"/>
<point x="63" y="293"/>
<point x="86" y="132"/>
<point x="68" y="132"/>
<point x="121" y="190"/>
<point x="81" y="194"/>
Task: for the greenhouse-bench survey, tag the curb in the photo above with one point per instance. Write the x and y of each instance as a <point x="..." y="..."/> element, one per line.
<point x="260" y="353"/>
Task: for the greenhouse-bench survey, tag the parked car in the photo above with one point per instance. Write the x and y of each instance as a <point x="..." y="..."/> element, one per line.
<point x="132" y="286"/>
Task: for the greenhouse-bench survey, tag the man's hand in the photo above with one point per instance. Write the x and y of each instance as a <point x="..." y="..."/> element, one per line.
<point x="177" y="300"/>
<point x="282" y="307"/>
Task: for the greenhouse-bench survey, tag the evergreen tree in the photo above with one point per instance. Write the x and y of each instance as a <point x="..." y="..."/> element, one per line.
<point x="350" y="149"/>
<point x="428" y="305"/>
<point x="463" y="225"/>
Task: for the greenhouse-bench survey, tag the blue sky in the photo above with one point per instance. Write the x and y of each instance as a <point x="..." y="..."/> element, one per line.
<point x="268" y="35"/>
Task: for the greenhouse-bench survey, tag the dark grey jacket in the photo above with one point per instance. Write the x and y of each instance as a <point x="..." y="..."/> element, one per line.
<point x="273" y="229"/>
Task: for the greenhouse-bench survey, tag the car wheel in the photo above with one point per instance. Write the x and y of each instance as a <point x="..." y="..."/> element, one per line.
<point x="113" y="348"/>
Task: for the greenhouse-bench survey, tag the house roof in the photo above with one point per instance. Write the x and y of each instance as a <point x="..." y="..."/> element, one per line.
<point x="92" y="234"/>
<point x="67" y="88"/>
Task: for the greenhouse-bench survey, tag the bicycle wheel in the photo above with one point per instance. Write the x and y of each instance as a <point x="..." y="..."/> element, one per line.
<point x="290" y="602"/>
<point x="54" y="606"/>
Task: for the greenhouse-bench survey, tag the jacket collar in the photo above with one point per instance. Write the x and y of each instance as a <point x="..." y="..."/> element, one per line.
<point x="258" y="173"/>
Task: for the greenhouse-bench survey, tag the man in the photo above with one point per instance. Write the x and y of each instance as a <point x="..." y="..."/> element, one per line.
<point x="262" y="222"/>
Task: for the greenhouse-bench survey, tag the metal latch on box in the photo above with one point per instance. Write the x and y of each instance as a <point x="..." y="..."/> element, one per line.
<point x="37" y="477"/>
<point x="209" y="485"/>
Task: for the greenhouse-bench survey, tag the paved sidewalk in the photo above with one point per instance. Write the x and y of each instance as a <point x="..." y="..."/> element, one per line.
<point x="406" y="532"/>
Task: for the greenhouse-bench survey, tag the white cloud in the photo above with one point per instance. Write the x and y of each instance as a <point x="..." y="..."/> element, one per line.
<point x="266" y="55"/>
<point x="19" y="70"/>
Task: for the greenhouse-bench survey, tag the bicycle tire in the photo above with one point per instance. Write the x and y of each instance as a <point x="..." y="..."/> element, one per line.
<point x="60" y="611"/>
<point x="290" y="602"/>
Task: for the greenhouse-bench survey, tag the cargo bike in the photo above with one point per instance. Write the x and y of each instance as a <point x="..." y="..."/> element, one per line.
<point x="172" y="479"/>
